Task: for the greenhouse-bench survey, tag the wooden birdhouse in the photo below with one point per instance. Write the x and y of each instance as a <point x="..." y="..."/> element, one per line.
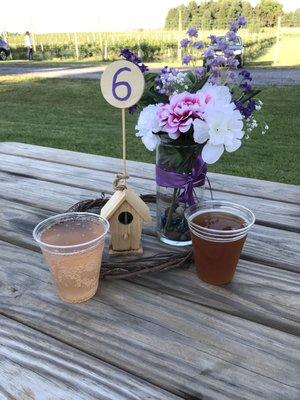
<point x="125" y="212"/>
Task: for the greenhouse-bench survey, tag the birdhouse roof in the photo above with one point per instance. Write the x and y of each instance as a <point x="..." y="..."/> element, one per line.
<point x="132" y="198"/>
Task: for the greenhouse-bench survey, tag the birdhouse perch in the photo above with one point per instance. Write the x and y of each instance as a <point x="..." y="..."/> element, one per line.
<point x="126" y="212"/>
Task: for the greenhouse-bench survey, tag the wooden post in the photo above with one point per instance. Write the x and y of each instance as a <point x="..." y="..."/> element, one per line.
<point x="124" y="142"/>
<point x="76" y="46"/>
<point x="105" y="50"/>
<point x="179" y="52"/>
<point x="139" y="48"/>
<point x="277" y="46"/>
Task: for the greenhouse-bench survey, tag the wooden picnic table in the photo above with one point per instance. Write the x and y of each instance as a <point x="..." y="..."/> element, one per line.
<point x="161" y="336"/>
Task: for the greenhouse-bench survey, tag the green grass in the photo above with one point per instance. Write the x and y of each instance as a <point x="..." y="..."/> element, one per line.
<point x="86" y="62"/>
<point x="71" y="114"/>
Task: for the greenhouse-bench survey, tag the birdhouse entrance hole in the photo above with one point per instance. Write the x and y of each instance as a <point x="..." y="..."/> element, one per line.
<point x="125" y="218"/>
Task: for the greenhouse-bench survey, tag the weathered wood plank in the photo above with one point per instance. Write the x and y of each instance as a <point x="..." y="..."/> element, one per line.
<point x="17" y="172"/>
<point x="270" y="246"/>
<point x="185" y="348"/>
<point x="228" y="183"/>
<point x="35" y="366"/>
<point x="258" y="293"/>
<point x="47" y="195"/>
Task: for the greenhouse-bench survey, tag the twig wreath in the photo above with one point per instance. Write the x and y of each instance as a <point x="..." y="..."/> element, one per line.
<point x="135" y="266"/>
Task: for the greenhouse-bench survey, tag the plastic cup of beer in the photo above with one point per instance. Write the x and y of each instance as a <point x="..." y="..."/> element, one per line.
<point x="218" y="230"/>
<point x="72" y="245"/>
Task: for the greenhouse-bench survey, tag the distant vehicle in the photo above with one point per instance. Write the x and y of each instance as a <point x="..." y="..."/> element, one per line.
<point x="4" y="50"/>
<point x="235" y="45"/>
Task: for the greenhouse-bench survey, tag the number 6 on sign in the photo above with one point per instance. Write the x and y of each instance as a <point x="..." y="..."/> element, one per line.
<point x="122" y="84"/>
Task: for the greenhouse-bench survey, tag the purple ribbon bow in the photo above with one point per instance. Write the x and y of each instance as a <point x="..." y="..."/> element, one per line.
<point x="187" y="182"/>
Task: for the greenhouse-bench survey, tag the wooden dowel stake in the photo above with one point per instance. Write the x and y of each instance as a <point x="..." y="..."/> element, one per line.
<point x="124" y="143"/>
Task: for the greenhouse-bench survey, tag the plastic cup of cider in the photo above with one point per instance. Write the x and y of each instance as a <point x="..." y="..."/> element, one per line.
<point x="218" y="230"/>
<point x="72" y="245"/>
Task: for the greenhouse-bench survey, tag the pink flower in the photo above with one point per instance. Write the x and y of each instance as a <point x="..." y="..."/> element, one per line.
<point x="177" y="117"/>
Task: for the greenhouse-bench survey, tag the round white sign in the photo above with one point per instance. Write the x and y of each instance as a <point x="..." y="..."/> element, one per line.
<point x="122" y="84"/>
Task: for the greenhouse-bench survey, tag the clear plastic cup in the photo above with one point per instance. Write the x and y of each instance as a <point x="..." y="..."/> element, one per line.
<point x="72" y="245"/>
<point x="217" y="251"/>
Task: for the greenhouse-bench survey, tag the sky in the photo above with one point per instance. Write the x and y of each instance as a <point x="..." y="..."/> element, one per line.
<point x="91" y="15"/>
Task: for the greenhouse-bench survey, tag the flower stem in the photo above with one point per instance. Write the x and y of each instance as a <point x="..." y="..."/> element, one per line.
<point x="171" y="210"/>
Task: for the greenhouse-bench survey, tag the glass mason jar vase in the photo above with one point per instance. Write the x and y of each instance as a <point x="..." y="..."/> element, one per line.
<point x="180" y="180"/>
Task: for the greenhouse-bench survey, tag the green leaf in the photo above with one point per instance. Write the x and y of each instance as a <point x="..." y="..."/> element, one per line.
<point x="196" y="81"/>
<point x="249" y="96"/>
<point x="180" y="154"/>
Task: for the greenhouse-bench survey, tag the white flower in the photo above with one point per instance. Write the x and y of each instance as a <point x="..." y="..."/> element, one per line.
<point x="254" y="123"/>
<point x="223" y="128"/>
<point x="258" y="105"/>
<point x="148" y="123"/>
<point x="216" y="94"/>
<point x="201" y="131"/>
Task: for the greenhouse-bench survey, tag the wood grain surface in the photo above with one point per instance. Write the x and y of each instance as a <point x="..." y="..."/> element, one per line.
<point x="35" y="366"/>
<point x="160" y="336"/>
<point x="270" y="246"/>
<point x="228" y="183"/>
<point x="183" y="347"/>
<point x="19" y="187"/>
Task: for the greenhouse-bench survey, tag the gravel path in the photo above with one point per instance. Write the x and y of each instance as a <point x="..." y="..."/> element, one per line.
<point x="261" y="76"/>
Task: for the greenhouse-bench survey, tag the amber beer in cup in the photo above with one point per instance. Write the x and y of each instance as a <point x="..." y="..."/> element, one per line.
<point x="218" y="231"/>
<point x="72" y="245"/>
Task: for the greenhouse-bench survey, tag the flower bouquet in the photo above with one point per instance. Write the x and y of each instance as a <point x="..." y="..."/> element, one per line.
<point x="191" y="117"/>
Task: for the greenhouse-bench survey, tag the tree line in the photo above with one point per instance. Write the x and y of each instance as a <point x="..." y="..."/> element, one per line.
<point x="215" y="14"/>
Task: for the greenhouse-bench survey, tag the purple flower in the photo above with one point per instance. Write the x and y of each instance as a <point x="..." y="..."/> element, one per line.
<point x="247" y="108"/>
<point x="198" y="45"/>
<point x="186" y="59"/>
<point x="232" y="63"/>
<point x="209" y="53"/>
<point x="219" y="60"/>
<point x="132" y="109"/>
<point x="213" y="39"/>
<point x="223" y="46"/>
<point x="228" y="53"/>
<point x="184" y="42"/>
<point x="165" y="70"/>
<point x="234" y="26"/>
<point x="231" y="35"/>
<point x="247" y="88"/>
<point x="214" y="75"/>
<point x="130" y="56"/>
<point x="192" y="32"/>
<point x="239" y="106"/>
<point x="232" y="75"/>
<point x="214" y="70"/>
<point x="209" y="61"/>
<point x="241" y="20"/>
<point x="246" y="75"/>
<point x="200" y="71"/>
